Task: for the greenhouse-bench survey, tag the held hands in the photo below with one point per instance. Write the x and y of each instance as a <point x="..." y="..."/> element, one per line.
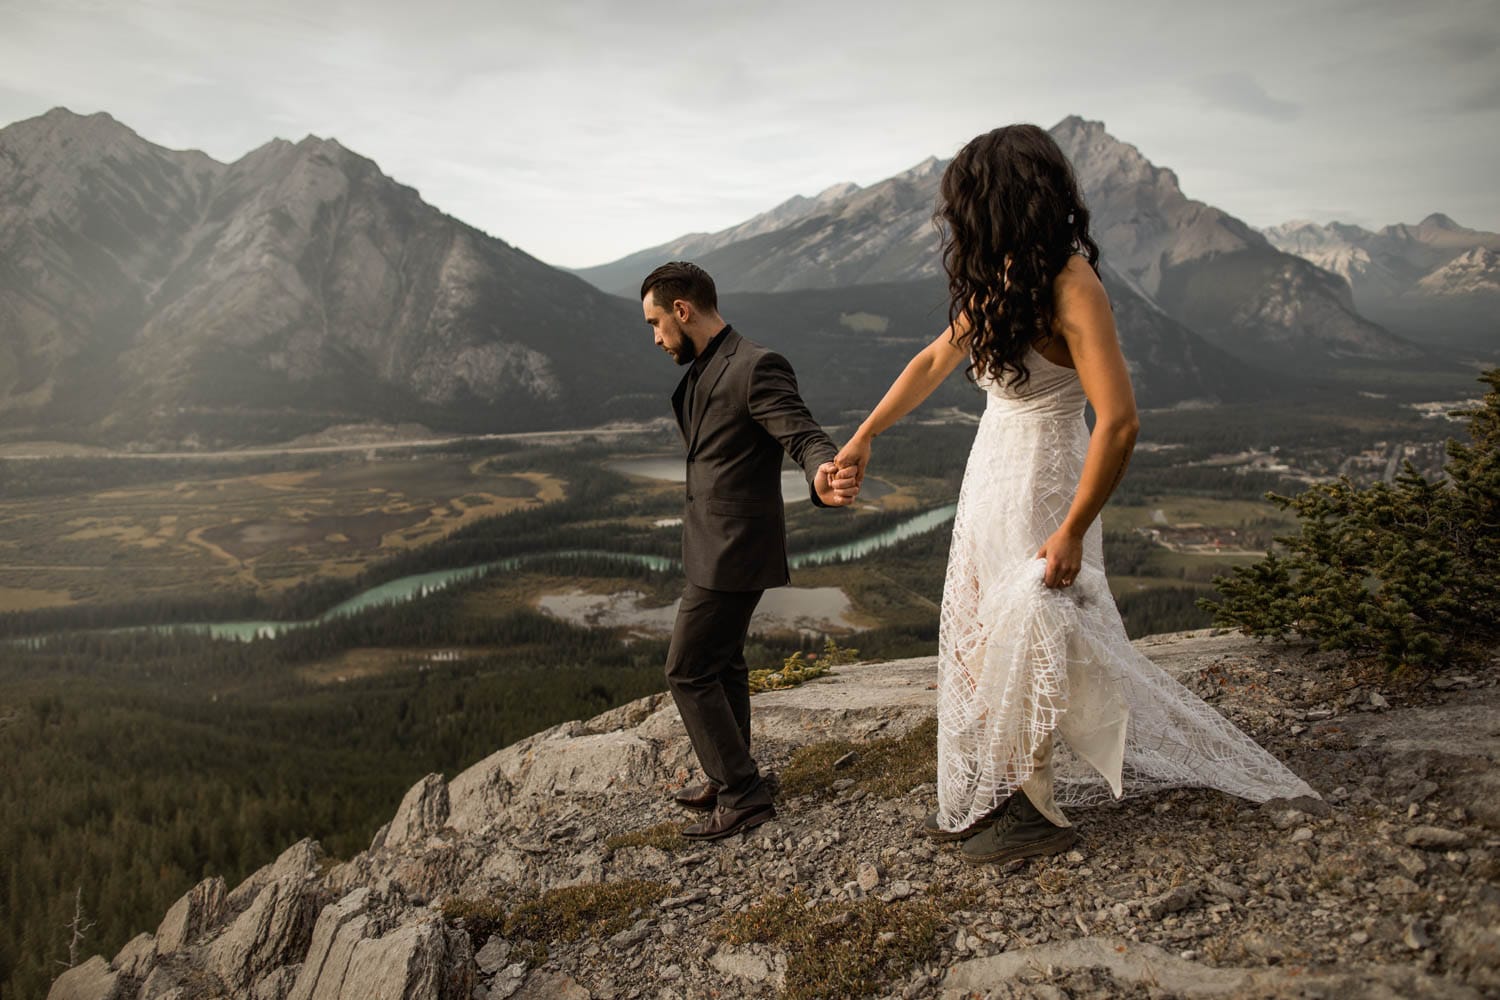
<point x="838" y="481"/>
<point x="854" y="457"/>
<point x="836" y="487"/>
<point x="1064" y="555"/>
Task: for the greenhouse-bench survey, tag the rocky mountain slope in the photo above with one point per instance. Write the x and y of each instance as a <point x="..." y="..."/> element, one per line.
<point x="1208" y="269"/>
<point x="624" y="275"/>
<point x="1388" y="262"/>
<point x="1434" y="278"/>
<point x="160" y="299"/>
<point x="851" y="342"/>
<point x="857" y="236"/>
<point x="153" y="294"/>
<point x="1210" y="272"/>
<point x="552" y="867"/>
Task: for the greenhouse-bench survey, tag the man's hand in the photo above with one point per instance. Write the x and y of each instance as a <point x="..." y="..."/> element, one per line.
<point x="836" y="487"/>
<point x="854" y="457"/>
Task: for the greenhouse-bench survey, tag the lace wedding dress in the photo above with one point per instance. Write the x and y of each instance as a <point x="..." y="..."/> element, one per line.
<point x="1019" y="663"/>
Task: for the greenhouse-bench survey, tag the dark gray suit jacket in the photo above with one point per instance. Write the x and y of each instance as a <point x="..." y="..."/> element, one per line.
<point x="746" y="412"/>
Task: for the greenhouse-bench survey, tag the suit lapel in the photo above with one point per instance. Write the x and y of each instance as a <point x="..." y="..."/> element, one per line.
<point x="677" y="398"/>
<point x="706" y="383"/>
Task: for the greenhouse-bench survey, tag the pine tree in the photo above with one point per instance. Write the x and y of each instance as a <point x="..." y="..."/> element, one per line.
<point x="1408" y="572"/>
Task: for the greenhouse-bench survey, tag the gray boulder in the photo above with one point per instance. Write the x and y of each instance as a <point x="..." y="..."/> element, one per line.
<point x="422" y="812"/>
<point x="301" y="859"/>
<point x="137" y="957"/>
<point x="93" y="980"/>
<point x="340" y="927"/>
<point x="420" y="961"/>
<point x="200" y="909"/>
<point x="274" y="931"/>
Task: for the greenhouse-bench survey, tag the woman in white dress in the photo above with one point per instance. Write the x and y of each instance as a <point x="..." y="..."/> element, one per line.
<point x="1031" y="646"/>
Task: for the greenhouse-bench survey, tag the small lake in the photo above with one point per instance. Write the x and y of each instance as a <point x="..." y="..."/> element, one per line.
<point x="419" y="585"/>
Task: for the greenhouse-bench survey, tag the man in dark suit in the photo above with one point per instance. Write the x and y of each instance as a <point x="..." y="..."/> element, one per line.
<point x="738" y="409"/>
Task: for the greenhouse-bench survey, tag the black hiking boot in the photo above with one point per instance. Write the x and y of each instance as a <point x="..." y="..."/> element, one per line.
<point x="1020" y="832"/>
<point x="932" y="831"/>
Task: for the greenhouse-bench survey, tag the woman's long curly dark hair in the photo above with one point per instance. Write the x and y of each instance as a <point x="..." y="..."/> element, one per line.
<point x="1009" y="195"/>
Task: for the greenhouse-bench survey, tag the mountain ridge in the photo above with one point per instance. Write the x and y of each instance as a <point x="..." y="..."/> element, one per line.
<point x="298" y="285"/>
<point x="1213" y="273"/>
<point x="162" y="299"/>
<point x="1436" y="279"/>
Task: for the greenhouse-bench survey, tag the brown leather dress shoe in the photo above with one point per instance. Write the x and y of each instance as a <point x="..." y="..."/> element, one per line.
<point x="727" y="822"/>
<point x="704" y="796"/>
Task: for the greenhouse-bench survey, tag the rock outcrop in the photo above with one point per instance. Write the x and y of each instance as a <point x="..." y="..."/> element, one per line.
<point x="194" y="913"/>
<point x="551" y="868"/>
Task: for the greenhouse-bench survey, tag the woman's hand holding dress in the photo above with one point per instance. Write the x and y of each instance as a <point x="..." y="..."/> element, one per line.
<point x="1064" y="555"/>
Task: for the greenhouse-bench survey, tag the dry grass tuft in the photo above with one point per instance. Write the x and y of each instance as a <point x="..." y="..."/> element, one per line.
<point x="886" y="768"/>
<point x="663" y="836"/>
<point x="840" y="949"/>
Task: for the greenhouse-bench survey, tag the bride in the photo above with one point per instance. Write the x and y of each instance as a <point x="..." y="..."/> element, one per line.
<point x="1031" y="646"/>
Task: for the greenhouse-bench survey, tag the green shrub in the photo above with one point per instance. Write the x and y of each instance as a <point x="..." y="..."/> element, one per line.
<point x="1408" y="572"/>
<point x="798" y="669"/>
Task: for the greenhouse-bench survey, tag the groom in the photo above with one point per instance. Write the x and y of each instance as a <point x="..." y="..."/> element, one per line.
<point x="738" y="408"/>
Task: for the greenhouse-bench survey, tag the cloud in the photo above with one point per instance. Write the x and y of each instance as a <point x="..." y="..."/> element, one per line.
<point x="1241" y="92"/>
<point x="1486" y="98"/>
<point x="588" y="129"/>
<point x="1467" y="43"/>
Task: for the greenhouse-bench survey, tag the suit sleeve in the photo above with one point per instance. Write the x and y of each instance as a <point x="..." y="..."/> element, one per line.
<point x="777" y="406"/>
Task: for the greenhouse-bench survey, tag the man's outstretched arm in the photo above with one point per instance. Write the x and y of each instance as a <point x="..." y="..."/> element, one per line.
<point x="776" y="405"/>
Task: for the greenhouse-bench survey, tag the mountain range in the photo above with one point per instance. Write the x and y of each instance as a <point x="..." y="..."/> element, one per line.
<point x="1164" y="254"/>
<point x="154" y="297"/>
<point x="1436" y="278"/>
<point x="151" y="294"/>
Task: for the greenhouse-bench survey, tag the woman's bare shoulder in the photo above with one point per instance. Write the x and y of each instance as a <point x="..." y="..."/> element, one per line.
<point x="1078" y="277"/>
<point x="1078" y="290"/>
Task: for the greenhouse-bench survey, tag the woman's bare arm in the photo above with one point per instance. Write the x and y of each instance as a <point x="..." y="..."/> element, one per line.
<point x="924" y="373"/>
<point x="1087" y="326"/>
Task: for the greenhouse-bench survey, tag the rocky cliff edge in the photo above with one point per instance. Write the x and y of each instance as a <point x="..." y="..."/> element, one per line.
<point x="552" y="867"/>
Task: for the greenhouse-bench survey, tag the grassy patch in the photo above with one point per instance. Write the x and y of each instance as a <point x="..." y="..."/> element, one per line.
<point x="599" y="910"/>
<point x="229" y="529"/>
<point x="480" y="917"/>
<point x="1183" y="509"/>
<point x="840" y="949"/>
<point x="534" y="919"/>
<point x="887" y="768"/>
<point x="663" y="836"/>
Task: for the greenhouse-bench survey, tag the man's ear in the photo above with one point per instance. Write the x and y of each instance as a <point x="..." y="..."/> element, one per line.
<point x="683" y="310"/>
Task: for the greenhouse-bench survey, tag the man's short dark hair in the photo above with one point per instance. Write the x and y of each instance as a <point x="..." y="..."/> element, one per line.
<point x="681" y="280"/>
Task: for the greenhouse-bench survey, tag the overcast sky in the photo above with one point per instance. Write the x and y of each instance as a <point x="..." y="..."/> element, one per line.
<point x="584" y="131"/>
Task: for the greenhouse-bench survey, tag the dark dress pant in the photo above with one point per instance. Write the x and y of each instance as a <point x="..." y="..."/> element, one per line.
<point x="710" y="682"/>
